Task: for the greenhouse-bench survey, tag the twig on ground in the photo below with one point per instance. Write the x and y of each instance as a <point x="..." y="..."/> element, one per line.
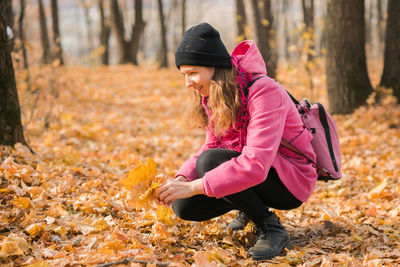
<point x="127" y="260"/>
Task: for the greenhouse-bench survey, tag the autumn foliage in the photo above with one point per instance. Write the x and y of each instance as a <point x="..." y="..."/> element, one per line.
<point x="106" y="137"/>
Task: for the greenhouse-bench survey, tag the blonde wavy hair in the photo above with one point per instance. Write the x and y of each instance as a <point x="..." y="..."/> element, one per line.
<point x="223" y="101"/>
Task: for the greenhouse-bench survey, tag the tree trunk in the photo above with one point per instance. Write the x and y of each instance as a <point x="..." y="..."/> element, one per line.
<point x="241" y="21"/>
<point x="265" y="34"/>
<point x="183" y="13"/>
<point x="347" y="78"/>
<point x="86" y="12"/>
<point x="9" y="17"/>
<point x="391" y="69"/>
<point x="44" y="37"/>
<point x="138" y="28"/>
<point x="21" y="33"/>
<point x="56" y="32"/>
<point x="285" y="7"/>
<point x="380" y="13"/>
<point x="308" y="15"/>
<point x="271" y="37"/>
<point x="105" y="32"/>
<point x="11" y="131"/>
<point x="8" y="14"/>
<point x="163" y="31"/>
<point x="127" y="48"/>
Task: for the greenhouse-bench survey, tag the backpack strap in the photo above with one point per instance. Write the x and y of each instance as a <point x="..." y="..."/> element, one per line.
<point x="295" y="101"/>
<point x="250" y="84"/>
<point x="294" y="149"/>
<point x="322" y="173"/>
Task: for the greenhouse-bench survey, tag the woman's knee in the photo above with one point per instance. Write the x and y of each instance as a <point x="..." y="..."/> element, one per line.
<point x="212" y="158"/>
<point x="183" y="209"/>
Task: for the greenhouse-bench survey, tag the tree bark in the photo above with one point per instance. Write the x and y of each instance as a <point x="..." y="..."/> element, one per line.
<point x="380" y="13"/>
<point x="347" y="78"/>
<point x="241" y="21"/>
<point x="56" y="32"/>
<point x="44" y="37"/>
<point x="86" y="11"/>
<point x="265" y="34"/>
<point x="163" y="32"/>
<point x="391" y="69"/>
<point x="183" y="13"/>
<point x="308" y="15"/>
<point x="9" y="17"/>
<point x="11" y="131"/>
<point x="21" y="33"/>
<point x="138" y="28"/>
<point x="105" y="32"/>
<point x="128" y="49"/>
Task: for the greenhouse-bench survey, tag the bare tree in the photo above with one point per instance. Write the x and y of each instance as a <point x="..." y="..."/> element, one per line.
<point x="347" y="78"/>
<point x="183" y="13"/>
<point x="308" y="18"/>
<point x="241" y="21"/>
<point x="128" y="49"/>
<point x="44" y="37"/>
<point x="9" y="17"/>
<point x="56" y="31"/>
<point x="391" y="69"/>
<point x="21" y="33"/>
<point x="11" y="130"/>
<point x="380" y="14"/>
<point x="163" y="32"/>
<point x="86" y="10"/>
<point x="105" y="32"/>
<point x="265" y="34"/>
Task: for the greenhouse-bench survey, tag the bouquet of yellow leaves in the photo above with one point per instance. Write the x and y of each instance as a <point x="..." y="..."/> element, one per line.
<point x="142" y="182"/>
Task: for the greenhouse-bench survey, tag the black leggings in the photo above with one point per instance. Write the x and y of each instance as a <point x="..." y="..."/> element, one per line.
<point x="254" y="201"/>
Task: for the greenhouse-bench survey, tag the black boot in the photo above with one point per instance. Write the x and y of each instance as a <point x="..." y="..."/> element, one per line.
<point x="272" y="239"/>
<point x="239" y="222"/>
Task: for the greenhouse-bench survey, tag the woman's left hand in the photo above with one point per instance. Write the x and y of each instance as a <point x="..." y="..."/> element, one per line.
<point x="174" y="189"/>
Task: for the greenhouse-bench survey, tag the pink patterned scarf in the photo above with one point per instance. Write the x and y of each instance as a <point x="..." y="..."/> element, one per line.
<point x="234" y="138"/>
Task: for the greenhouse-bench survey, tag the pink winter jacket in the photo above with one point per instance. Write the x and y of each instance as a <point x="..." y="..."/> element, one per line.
<point x="272" y="116"/>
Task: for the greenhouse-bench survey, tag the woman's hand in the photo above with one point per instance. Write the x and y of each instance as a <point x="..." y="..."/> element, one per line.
<point x="181" y="178"/>
<point x="176" y="189"/>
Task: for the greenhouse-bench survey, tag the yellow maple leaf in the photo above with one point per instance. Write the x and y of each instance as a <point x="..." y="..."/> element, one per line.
<point x="143" y="182"/>
<point x="164" y="215"/>
<point x="34" y="229"/>
<point x="14" y="245"/>
<point x="22" y="202"/>
<point x="141" y="174"/>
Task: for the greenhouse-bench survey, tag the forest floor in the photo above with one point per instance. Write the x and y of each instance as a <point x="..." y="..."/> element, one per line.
<point x="65" y="205"/>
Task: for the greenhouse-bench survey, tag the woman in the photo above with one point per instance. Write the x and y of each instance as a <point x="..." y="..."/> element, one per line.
<point x="241" y="166"/>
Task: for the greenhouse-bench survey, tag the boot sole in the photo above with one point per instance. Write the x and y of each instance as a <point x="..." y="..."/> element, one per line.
<point x="266" y="257"/>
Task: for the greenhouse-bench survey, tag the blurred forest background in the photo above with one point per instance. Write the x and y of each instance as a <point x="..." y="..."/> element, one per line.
<point x="89" y="91"/>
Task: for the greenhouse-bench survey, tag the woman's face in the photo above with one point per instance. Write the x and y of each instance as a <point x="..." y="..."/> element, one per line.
<point x="198" y="77"/>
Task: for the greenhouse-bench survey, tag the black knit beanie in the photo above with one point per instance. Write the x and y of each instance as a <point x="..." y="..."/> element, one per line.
<point x="202" y="46"/>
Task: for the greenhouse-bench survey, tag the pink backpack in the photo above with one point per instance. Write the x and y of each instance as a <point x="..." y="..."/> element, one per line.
<point x="325" y="140"/>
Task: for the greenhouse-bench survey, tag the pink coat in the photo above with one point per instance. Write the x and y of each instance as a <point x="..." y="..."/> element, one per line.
<point x="272" y="115"/>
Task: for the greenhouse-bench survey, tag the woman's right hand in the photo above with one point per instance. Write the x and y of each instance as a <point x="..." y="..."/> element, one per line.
<point x="179" y="178"/>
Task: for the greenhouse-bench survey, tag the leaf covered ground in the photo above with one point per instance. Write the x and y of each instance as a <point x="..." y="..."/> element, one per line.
<point x="67" y="204"/>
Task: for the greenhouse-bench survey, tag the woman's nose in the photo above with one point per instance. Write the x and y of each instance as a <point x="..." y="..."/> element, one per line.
<point x="189" y="82"/>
